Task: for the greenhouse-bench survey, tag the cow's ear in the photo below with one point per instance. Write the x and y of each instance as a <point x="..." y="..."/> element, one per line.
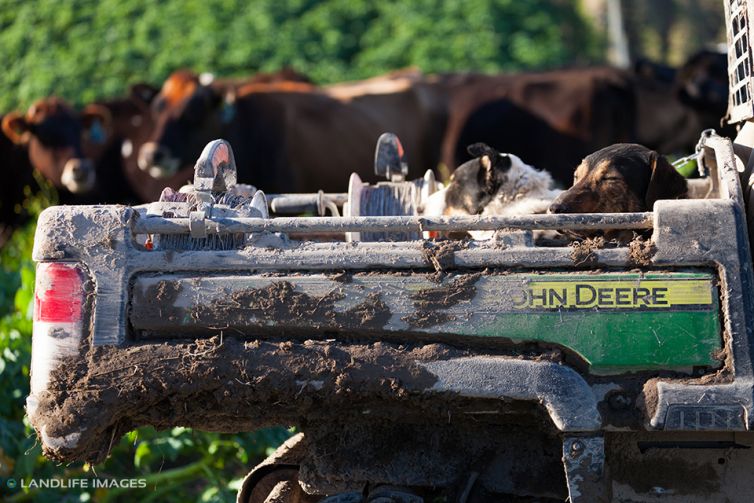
<point x="665" y="181"/>
<point x="97" y="122"/>
<point x="16" y="128"/>
<point x="144" y="92"/>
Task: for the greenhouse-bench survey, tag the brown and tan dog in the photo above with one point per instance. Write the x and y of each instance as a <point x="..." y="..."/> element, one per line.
<point x="624" y="177"/>
<point x="621" y="178"/>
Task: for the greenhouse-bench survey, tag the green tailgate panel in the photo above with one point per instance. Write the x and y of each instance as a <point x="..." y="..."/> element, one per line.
<point x="616" y="322"/>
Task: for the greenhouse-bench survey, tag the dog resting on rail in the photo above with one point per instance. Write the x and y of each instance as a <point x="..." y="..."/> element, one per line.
<point x="493" y="183"/>
<point x="621" y="178"/>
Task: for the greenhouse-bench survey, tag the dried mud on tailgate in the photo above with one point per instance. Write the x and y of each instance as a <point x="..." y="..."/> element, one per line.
<point x="220" y="384"/>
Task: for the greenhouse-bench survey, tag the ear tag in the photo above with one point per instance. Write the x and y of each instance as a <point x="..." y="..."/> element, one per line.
<point x="228" y="112"/>
<point x="97" y="132"/>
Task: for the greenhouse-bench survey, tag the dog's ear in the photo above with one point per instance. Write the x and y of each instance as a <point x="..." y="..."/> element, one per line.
<point x="493" y="170"/>
<point x="498" y="160"/>
<point x="480" y="149"/>
<point x="665" y="181"/>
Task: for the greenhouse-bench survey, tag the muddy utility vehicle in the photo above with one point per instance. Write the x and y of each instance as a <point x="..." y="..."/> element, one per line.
<point x="416" y="369"/>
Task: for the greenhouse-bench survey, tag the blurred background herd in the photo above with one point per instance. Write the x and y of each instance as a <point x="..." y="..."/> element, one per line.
<point x="109" y="101"/>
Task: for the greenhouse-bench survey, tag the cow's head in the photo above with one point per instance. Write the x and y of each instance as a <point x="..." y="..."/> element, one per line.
<point x="187" y="115"/>
<point x="130" y="127"/>
<point x="52" y="132"/>
<point x="703" y="82"/>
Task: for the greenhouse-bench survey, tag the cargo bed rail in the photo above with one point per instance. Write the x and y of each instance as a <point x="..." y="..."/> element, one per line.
<point x="292" y="225"/>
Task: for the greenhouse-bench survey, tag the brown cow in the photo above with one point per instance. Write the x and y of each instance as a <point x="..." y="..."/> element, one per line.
<point x="286" y="136"/>
<point x="406" y="103"/>
<point x="515" y="130"/>
<point x="198" y="102"/>
<point x="51" y="132"/>
<point x="18" y="183"/>
<point x="588" y="107"/>
<point x="675" y="106"/>
<point x="103" y="149"/>
<point x="118" y="178"/>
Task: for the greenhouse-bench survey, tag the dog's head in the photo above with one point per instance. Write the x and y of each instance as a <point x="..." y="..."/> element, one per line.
<point x="624" y="177"/>
<point x="473" y="184"/>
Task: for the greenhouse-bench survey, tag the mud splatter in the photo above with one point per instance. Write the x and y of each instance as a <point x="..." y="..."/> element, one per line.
<point x="281" y="301"/>
<point x="222" y="384"/>
<point x="159" y="300"/>
<point x="431" y="303"/>
<point x="440" y="255"/>
<point x="641" y="251"/>
<point x="582" y="252"/>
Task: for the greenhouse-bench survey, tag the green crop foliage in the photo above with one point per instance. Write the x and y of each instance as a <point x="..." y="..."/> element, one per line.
<point x="87" y="49"/>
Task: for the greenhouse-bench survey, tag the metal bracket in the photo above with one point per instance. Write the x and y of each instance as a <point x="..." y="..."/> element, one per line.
<point x="197" y="228"/>
<point x="584" y="463"/>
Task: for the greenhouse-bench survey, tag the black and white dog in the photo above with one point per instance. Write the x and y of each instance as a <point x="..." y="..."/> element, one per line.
<point x="493" y="184"/>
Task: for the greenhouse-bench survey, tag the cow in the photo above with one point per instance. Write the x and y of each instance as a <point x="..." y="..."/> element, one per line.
<point x="51" y="132"/>
<point x="511" y="128"/>
<point x="118" y="177"/>
<point x="287" y="136"/>
<point x="406" y="103"/>
<point x="18" y="183"/>
<point x="98" y="141"/>
<point x="48" y="140"/>
<point x="702" y="82"/>
<point x="99" y="148"/>
<point x="589" y="107"/>
<point x="189" y="106"/>
<point x="675" y="105"/>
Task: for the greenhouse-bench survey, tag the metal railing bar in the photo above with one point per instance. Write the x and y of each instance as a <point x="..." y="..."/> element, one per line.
<point x="293" y="225"/>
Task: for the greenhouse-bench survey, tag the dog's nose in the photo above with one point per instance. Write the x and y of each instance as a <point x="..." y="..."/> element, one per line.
<point x="558" y="207"/>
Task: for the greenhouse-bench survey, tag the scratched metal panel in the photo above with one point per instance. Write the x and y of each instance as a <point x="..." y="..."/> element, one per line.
<point x="616" y="322"/>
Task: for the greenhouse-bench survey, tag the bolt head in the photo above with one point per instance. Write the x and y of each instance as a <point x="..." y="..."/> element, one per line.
<point x="577" y="447"/>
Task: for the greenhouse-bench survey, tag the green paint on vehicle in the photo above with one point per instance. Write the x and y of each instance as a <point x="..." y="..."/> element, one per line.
<point x="616" y="339"/>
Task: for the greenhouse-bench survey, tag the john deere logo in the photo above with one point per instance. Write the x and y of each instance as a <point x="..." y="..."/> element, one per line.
<point x="630" y="294"/>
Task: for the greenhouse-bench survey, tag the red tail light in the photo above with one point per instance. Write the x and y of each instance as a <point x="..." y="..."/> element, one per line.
<point x="58" y="293"/>
<point x="58" y="328"/>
